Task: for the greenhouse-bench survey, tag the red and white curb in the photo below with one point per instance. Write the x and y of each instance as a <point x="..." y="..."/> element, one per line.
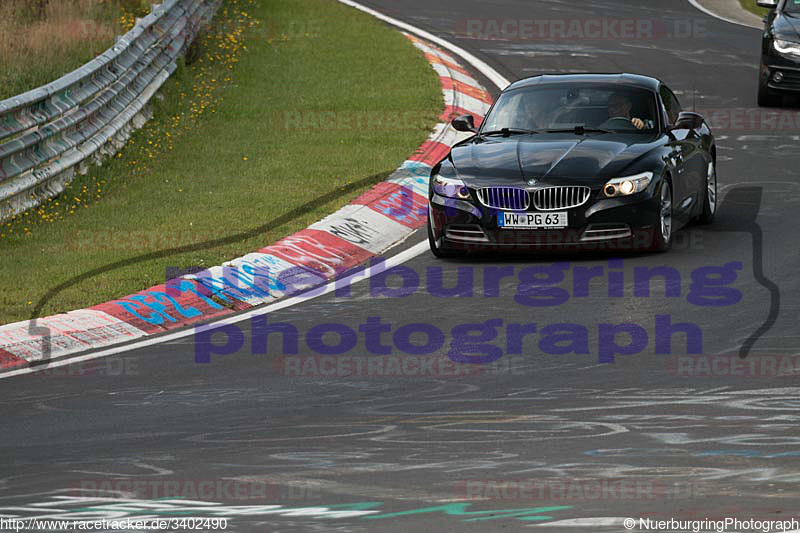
<point x="372" y="223"/>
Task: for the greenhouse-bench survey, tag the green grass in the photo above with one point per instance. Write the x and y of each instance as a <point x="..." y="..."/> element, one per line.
<point x="751" y="6"/>
<point x="19" y="77"/>
<point x="41" y="40"/>
<point x="217" y="158"/>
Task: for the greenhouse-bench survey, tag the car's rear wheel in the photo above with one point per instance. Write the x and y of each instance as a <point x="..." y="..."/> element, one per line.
<point x="439" y="251"/>
<point x="662" y="239"/>
<point x="710" y="201"/>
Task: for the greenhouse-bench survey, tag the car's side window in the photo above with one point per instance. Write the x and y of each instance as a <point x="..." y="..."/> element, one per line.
<point x="671" y="104"/>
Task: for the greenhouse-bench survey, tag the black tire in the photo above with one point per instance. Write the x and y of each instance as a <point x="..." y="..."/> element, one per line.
<point x="709" y="201"/>
<point x="767" y="97"/>
<point x="441" y="253"/>
<point x="662" y="237"/>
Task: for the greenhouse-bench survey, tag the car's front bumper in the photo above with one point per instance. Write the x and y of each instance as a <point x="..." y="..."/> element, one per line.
<point x="789" y="69"/>
<point x="625" y="223"/>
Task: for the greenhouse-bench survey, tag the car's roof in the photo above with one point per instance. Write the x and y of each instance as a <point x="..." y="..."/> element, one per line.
<point x="629" y="80"/>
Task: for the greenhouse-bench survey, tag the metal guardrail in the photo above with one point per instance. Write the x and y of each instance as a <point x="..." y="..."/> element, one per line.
<point x="89" y="113"/>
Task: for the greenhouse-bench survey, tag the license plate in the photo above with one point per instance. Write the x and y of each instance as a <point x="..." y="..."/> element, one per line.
<point x="532" y="220"/>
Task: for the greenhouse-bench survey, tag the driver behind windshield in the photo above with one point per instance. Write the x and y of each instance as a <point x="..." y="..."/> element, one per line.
<point x="619" y="107"/>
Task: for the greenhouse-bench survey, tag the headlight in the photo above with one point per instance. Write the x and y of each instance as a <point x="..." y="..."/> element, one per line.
<point x="787" y="47"/>
<point x="450" y="187"/>
<point x="627" y="186"/>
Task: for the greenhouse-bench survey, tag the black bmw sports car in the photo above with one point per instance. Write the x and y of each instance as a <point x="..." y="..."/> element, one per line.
<point x="574" y="161"/>
<point x="779" y="74"/>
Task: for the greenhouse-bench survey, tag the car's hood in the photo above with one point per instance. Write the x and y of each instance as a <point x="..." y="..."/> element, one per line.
<point x="547" y="157"/>
<point x="786" y="26"/>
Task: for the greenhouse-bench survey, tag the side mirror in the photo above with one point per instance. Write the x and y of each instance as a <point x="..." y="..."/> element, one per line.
<point x="768" y="4"/>
<point x="687" y="121"/>
<point x="464" y="123"/>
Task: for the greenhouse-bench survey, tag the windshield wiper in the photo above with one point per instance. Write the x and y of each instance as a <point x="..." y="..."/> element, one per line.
<point x="580" y="130"/>
<point x="505" y="132"/>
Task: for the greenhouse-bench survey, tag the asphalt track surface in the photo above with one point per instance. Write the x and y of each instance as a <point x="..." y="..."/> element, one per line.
<point x="695" y="446"/>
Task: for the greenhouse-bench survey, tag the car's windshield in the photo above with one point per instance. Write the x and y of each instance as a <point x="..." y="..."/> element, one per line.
<point x="792" y="6"/>
<point x="564" y="107"/>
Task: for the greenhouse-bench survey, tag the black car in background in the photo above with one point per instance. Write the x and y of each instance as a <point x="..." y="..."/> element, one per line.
<point x="780" y="52"/>
<point x="605" y="161"/>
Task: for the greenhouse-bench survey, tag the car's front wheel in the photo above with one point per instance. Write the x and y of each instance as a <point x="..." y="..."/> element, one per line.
<point x="439" y="251"/>
<point x="710" y="201"/>
<point x="766" y="96"/>
<point x="662" y="239"/>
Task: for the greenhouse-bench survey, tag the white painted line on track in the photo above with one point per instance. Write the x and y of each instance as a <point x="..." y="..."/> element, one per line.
<point x="495" y="77"/>
<point x="599" y="521"/>
<point x="402" y="257"/>
<point x="707" y="11"/>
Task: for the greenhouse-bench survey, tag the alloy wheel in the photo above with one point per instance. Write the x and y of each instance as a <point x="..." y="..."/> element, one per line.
<point x="666" y="212"/>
